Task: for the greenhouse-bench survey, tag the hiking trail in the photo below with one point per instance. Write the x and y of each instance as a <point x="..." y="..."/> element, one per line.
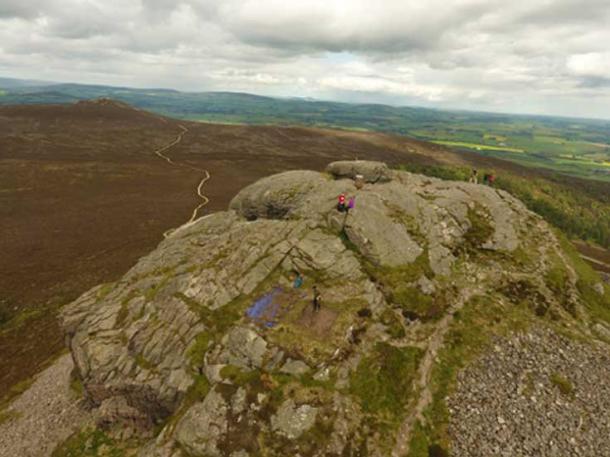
<point x="422" y="381"/>
<point x="206" y="174"/>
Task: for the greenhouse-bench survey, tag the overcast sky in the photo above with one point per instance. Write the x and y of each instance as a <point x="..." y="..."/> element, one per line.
<point x="529" y="56"/>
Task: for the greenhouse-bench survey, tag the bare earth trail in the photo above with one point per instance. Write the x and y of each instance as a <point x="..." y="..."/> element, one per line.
<point x="204" y="200"/>
<point x="422" y="381"/>
<point x="595" y="261"/>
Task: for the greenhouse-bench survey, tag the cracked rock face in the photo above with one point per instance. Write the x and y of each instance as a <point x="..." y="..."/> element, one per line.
<point x="175" y="325"/>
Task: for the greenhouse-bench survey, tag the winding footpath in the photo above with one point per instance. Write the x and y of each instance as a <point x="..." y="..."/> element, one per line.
<point x="422" y="381"/>
<point x="206" y="174"/>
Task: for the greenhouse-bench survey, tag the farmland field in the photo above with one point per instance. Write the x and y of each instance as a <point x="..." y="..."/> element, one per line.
<point x="577" y="147"/>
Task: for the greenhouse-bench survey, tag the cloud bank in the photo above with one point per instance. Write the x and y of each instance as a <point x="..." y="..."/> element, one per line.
<point x="531" y="56"/>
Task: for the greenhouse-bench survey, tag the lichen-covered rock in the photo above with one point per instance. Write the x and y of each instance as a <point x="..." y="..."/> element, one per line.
<point x="210" y="338"/>
<point x="371" y="172"/>
<point x="276" y="197"/>
<point x="295" y="367"/>
<point x="243" y="348"/>
<point x="292" y="421"/>
<point x="599" y="288"/>
<point x="203" y="426"/>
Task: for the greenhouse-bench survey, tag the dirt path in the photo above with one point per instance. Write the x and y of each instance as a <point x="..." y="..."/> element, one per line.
<point x="422" y="380"/>
<point x="595" y="261"/>
<point x="206" y="175"/>
<point x="44" y="415"/>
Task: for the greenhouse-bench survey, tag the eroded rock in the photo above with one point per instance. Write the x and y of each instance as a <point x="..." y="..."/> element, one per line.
<point x="203" y="425"/>
<point x="372" y="172"/>
<point x="292" y="421"/>
<point x="175" y="326"/>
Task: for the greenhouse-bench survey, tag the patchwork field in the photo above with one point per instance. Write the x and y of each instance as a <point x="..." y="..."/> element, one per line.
<point x="577" y="147"/>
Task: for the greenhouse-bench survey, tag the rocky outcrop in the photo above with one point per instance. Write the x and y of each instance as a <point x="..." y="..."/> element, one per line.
<point x="371" y="172"/>
<point x="207" y="339"/>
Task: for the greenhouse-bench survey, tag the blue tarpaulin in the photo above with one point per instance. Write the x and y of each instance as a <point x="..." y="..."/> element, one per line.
<point x="264" y="310"/>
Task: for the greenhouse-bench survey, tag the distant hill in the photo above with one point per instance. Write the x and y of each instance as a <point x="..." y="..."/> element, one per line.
<point x="578" y="147"/>
<point x="12" y="83"/>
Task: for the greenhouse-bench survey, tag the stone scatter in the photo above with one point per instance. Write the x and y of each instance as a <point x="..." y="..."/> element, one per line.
<point x="535" y="394"/>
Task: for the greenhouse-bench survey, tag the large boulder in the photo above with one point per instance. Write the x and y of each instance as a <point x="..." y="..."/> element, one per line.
<point x="371" y="172"/>
<point x="203" y="426"/>
<point x="277" y="196"/>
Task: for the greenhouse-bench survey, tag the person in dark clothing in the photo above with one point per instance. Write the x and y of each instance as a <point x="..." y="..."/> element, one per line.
<point x="317" y="299"/>
<point x="341" y="204"/>
<point x="474" y="176"/>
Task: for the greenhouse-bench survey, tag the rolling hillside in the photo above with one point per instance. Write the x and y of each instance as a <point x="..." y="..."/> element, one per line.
<point x="578" y="147"/>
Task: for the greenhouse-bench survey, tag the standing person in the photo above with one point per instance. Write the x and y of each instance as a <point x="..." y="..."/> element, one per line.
<point x="491" y="179"/>
<point x="474" y="176"/>
<point x="298" y="280"/>
<point x="486" y="179"/>
<point x="317" y="299"/>
<point x="341" y="203"/>
<point x="350" y="204"/>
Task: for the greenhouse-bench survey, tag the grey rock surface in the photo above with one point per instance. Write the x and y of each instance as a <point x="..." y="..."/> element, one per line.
<point x="295" y="367"/>
<point x="599" y="288"/>
<point x="203" y="426"/>
<point x="393" y="271"/>
<point x="372" y="172"/>
<point x="292" y="421"/>
<point x="243" y="348"/>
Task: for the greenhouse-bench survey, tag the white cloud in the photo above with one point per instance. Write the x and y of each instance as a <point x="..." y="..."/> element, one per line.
<point x="524" y="55"/>
<point x="592" y="64"/>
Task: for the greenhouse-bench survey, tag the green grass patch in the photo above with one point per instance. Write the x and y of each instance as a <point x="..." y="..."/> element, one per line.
<point x="104" y="290"/>
<point x="8" y="414"/>
<point x="152" y="291"/>
<point x="374" y="382"/>
<point x="478" y="147"/>
<point x="392" y="277"/>
<point x="392" y="322"/>
<point x="468" y="337"/>
<point x="238" y="376"/>
<point x="90" y="442"/>
<point x="480" y="229"/>
<point x="76" y="385"/>
<point x="563" y="384"/>
<point x="196" y="352"/>
<point x="597" y="305"/>
<point x="144" y="363"/>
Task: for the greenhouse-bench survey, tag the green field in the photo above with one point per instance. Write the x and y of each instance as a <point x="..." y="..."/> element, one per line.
<point x="577" y="147"/>
<point x="477" y="147"/>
